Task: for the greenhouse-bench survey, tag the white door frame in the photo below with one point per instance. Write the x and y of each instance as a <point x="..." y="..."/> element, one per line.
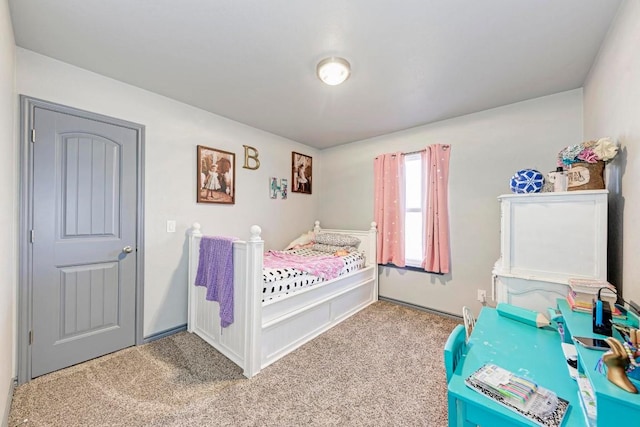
<point x="25" y="283"/>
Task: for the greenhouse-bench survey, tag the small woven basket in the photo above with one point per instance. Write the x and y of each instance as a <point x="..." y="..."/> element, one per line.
<point x="586" y="176"/>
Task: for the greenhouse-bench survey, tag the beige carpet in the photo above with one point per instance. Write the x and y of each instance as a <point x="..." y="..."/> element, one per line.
<point x="381" y="367"/>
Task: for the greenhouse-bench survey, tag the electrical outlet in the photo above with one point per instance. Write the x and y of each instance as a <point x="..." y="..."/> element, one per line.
<point x="482" y="295"/>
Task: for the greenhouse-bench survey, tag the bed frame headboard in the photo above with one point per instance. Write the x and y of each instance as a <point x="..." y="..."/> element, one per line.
<point x="368" y="239"/>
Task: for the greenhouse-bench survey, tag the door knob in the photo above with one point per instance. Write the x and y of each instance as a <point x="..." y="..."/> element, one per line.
<point x="127" y="249"/>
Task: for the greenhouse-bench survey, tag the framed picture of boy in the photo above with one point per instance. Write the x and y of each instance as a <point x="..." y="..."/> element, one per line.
<point x="301" y="173"/>
<point x="216" y="176"/>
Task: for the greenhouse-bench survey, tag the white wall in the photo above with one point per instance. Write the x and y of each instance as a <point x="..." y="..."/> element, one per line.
<point x="612" y="108"/>
<point x="486" y="149"/>
<point x="173" y="130"/>
<point x="8" y="217"/>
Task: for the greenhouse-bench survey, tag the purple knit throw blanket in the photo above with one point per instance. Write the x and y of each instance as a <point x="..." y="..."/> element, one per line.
<point x="215" y="272"/>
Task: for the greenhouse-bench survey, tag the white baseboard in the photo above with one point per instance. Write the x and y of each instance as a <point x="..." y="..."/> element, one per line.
<point x="4" y="421"/>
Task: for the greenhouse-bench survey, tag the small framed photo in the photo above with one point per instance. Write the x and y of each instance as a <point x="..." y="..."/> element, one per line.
<point x="216" y="181"/>
<point x="274" y="187"/>
<point x="301" y="173"/>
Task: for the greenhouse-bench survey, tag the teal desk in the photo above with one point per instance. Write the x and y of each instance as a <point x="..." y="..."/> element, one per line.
<point x="616" y="407"/>
<point x="536" y="354"/>
<point x="522" y="349"/>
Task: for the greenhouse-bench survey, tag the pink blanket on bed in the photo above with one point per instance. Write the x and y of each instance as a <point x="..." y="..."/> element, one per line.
<point x="327" y="267"/>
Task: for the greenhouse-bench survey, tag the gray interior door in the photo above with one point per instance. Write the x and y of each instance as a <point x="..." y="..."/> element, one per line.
<point x="84" y="239"/>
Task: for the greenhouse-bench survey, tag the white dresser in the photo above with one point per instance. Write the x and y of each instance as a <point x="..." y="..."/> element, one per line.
<point x="546" y="238"/>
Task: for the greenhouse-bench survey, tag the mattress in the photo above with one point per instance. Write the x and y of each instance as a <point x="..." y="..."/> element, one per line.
<point x="278" y="282"/>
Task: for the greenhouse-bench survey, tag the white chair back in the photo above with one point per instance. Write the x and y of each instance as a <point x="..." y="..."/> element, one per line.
<point x="469" y="320"/>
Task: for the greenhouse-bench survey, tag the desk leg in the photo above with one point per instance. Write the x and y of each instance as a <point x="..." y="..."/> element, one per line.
<point x="457" y="415"/>
<point x="452" y="410"/>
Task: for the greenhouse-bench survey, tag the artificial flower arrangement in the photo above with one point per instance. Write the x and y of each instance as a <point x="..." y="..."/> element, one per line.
<point x="602" y="150"/>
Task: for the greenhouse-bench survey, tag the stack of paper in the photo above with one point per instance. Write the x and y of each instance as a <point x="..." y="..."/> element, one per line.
<point x="587" y="399"/>
<point x="570" y="353"/>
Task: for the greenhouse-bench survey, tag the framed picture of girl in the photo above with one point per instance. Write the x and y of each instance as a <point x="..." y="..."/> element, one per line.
<point x="301" y="173"/>
<point x="216" y="181"/>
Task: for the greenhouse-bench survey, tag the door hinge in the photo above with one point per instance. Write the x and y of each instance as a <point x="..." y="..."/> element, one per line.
<point x="30" y="337"/>
<point x="33" y="135"/>
<point x="32" y="236"/>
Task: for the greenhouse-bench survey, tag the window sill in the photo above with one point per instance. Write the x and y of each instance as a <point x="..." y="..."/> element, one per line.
<point x="410" y="268"/>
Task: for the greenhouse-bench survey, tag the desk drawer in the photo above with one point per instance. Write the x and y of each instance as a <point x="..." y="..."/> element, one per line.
<point x="481" y="416"/>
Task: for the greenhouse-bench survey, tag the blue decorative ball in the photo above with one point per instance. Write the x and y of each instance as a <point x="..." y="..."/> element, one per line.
<point x="527" y="181"/>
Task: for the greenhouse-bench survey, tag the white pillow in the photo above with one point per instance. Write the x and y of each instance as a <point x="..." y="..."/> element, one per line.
<point x="304" y="239"/>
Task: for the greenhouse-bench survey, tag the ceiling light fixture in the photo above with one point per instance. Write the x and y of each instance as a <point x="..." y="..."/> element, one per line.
<point x="333" y="71"/>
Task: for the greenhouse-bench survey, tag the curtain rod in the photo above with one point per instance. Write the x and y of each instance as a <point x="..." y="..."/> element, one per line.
<point x="410" y="152"/>
<point x="444" y="147"/>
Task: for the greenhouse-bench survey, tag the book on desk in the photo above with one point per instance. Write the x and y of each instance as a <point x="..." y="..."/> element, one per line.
<point x="519" y="394"/>
<point x="583" y="292"/>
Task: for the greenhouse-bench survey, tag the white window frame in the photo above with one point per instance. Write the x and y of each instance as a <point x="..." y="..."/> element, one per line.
<point x="413" y="187"/>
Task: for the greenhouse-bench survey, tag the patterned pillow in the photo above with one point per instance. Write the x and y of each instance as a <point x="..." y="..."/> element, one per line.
<point x="330" y="249"/>
<point x="337" y="239"/>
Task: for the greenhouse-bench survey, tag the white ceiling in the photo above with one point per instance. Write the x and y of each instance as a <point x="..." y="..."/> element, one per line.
<point x="253" y="61"/>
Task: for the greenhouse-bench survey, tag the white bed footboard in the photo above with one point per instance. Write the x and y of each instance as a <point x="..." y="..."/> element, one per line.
<point x="239" y="340"/>
<point x="264" y="332"/>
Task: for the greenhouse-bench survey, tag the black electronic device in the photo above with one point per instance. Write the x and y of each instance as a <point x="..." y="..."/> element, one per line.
<point x="592" y="343"/>
<point x="602" y="316"/>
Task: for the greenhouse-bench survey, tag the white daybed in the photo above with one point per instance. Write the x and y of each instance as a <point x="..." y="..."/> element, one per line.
<point x="263" y="332"/>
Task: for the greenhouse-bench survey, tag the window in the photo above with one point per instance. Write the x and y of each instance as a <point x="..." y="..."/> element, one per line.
<point x="413" y="221"/>
<point x="413" y="224"/>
